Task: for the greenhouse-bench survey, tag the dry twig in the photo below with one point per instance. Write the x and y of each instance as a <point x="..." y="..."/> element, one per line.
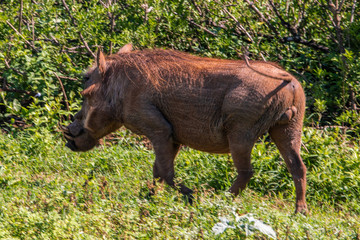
<point x="202" y="28"/>
<point x="20" y="14"/>
<point x="242" y="29"/>
<point x="262" y="17"/>
<point x="18" y="33"/>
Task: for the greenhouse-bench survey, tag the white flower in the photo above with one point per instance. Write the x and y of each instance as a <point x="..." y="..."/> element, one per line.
<point x="247" y="223"/>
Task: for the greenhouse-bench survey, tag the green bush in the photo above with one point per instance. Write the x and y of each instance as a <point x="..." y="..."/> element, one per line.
<point x="59" y="38"/>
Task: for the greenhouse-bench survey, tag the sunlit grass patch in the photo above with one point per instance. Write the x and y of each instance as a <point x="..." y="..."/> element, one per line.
<point x="49" y="192"/>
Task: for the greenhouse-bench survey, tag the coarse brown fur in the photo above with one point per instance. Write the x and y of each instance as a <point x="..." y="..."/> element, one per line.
<point x="212" y="105"/>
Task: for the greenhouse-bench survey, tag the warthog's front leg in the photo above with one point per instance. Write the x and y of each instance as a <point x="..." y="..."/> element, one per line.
<point x="154" y="125"/>
<point x="166" y="151"/>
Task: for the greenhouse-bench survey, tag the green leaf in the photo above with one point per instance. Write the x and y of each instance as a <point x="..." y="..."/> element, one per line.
<point x="16" y="106"/>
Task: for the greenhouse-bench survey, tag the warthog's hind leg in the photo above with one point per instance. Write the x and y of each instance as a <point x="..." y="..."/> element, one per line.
<point x="288" y="140"/>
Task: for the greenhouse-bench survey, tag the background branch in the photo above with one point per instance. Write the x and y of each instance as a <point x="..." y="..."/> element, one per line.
<point x="20" y="15"/>
<point x="242" y="29"/>
<point x="30" y="93"/>
<point x="18" y="33"/>
<point x="75" y="24"/>
<point x="262" y="17"/>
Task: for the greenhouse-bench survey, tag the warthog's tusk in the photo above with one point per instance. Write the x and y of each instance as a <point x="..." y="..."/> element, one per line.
<point x="63" y="128"/>
<point x="68" y="137"/>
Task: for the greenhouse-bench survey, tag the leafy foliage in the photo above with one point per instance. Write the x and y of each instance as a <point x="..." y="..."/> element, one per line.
<point x="45" y="39"/>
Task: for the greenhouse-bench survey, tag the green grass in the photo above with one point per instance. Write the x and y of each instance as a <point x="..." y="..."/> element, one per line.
<point x="49" y="192"/>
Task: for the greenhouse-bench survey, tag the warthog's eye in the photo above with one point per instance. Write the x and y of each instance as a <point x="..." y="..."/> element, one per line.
<point x="86" y="78"/>
<point x="86" y="81"/>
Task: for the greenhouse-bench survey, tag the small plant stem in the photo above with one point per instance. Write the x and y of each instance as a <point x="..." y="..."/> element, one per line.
<point x="65" y="96"/>
<point x="33" y="29"/>
<point x="20" y="15"/>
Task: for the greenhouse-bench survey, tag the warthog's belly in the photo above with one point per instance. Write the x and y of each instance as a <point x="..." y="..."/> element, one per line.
<point x="201" y="137"/>
<point x="196" y="119"/>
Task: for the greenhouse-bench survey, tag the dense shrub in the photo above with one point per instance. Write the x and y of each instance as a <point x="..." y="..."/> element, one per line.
<point x="48" y="43"/>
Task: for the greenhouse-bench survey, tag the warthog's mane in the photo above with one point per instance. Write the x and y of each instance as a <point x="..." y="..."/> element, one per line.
<point x="159" y="68"/>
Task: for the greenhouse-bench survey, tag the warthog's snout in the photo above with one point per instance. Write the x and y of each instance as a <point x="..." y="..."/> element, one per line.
<point x="78" y="139"/>
<point x="69" y="137"/>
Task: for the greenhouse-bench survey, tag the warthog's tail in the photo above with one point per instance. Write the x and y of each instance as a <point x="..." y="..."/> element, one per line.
<point x="284" y="76"/>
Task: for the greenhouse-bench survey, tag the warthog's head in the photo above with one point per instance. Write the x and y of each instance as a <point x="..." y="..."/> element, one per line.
<point x="96" y="117"/>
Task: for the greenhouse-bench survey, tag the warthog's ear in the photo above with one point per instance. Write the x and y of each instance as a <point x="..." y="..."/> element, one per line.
<point x="125" y="49"/>
<point x="101" y="62"/>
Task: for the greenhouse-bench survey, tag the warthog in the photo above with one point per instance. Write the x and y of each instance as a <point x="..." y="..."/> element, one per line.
<point x="213" y="105"/>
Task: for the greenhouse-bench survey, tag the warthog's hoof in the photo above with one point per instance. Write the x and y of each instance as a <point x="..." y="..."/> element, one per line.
<point x="302" y="209"/>
<point x="189" y="198"/>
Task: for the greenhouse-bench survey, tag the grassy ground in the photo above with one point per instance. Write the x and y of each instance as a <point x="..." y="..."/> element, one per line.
<point x="49" y="192"/>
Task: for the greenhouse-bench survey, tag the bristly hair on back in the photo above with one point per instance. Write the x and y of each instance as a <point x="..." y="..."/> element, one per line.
<point x="159" y="68"/>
